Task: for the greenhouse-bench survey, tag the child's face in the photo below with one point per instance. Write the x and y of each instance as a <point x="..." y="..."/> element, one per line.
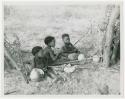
<point x="52" y="44"/>
<point x="40" y="53"/>
<point x="66" y="40"/>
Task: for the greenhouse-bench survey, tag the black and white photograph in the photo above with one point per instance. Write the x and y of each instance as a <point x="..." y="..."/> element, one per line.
<point x="62" y="48"/>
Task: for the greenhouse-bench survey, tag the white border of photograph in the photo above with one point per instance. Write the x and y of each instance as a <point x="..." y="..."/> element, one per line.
<point x="122" y="69"/>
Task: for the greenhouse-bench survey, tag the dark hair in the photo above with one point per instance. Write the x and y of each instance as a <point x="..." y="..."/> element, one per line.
<point x="36" y="49"/>
<point x="65" y="35"/>
<point x="48" y="39"/>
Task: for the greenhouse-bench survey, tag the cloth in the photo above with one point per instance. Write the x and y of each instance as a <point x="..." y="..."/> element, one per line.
<point x="69" y="48"/>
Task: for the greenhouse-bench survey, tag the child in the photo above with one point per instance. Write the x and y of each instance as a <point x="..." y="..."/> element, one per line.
<point x="39" y="61"/>
<point x="68" y="49"/>
<point x="68" y="46"/>
<point x="50" y="56"/>
<point x="48" y="52"/>
<point x="39" y="64"/>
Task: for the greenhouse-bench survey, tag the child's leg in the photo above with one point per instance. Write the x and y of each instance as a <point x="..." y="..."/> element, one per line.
<point x="51" y="71"/>
<point x="55" y="76"/>
<point x="49" y="74"/>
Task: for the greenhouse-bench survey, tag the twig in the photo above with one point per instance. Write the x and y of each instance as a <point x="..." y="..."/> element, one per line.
<point x="79" y="39"/>
<point x="21" y="60"/>
<point x="7" y="93"/>
<point x="66" y="62"/>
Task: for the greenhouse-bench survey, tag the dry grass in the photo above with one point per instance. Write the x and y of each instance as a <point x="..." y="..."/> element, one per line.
<point x="33" y="23"/>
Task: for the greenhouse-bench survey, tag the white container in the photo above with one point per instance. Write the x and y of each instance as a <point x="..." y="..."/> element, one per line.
<point x="36" y="74"/>
<point x="81" y="57"/>
<point x="96" y="58"/>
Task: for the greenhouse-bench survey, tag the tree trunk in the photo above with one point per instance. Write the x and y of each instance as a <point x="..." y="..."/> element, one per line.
<point x="109" y="36"/>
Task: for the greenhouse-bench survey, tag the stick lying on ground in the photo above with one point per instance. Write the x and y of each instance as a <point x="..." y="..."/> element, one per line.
<point x="7" y="93"/>
<point x="66" y="62"/>
<point x="77" y="62"/>
<point x="74" y="62"/>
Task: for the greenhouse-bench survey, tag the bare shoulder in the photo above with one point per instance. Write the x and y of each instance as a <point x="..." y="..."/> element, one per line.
<point x="47" y="50"/>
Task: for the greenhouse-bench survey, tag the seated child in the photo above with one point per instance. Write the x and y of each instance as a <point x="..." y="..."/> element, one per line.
<point x="41" y="68"/>
<point x="48" y="52"/>
<point x="39" y="63"/>
<point x="50" y="56"/>
<point x="68" y="48"/>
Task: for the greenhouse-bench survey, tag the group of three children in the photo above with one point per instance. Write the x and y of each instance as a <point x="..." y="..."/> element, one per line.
<point x="45" y="57"/>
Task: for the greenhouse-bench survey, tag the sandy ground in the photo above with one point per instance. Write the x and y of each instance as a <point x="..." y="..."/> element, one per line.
<point x="96" y="80"/>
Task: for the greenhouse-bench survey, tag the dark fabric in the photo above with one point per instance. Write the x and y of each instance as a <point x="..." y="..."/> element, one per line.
<point x="69" y="48"/>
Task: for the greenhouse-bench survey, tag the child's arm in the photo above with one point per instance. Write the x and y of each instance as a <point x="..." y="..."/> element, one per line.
<point x="71" y="50"/>
<point x="32" y="63"/>
<point x="40" y="64"/>
<point x="65" y="50"/>
<point x="74" y="49"/>
<point x="53" y="56"/>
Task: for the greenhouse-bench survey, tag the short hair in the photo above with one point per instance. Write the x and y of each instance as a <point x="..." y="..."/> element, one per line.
<point x="48" y="39"/>
<point x="36" y="49"/>
<point x="65" y="35"/>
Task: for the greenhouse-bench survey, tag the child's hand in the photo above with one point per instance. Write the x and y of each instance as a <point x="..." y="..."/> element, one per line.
<point x="58" y="51"/>
<point x="76" y="51"/>
<point x="45" y="69"/>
